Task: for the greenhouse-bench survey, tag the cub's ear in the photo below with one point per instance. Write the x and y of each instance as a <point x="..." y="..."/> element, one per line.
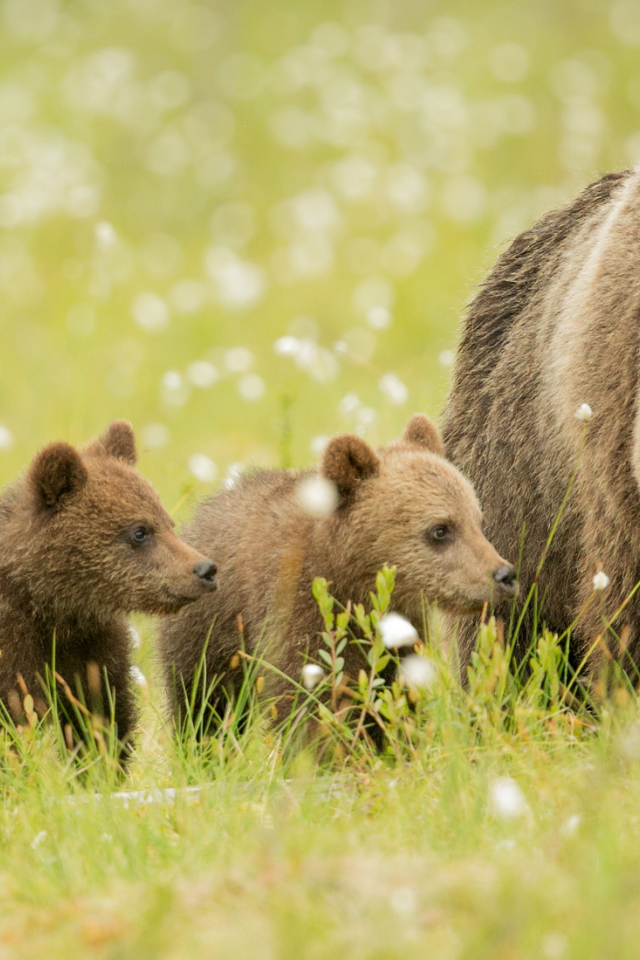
<point x="56" y="474"/>
<point x="347" y="460"/>
<point x="422" y="432"/>
<point x="117" y="441"/>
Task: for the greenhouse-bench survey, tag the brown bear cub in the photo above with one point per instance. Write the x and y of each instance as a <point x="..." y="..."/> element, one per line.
<point x="552" y="335"/>
<point x="84" y="540"/>
<point x="404" y="505"/>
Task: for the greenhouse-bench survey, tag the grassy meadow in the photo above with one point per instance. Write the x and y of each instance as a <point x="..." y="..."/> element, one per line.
<point x="245" y="226"/>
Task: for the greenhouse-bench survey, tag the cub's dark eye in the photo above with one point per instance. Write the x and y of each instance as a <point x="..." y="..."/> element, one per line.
<point x="137" y="535"/>
<point x="440" y="533"/>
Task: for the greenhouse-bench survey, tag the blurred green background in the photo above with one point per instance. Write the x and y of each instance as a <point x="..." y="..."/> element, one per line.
<point x="247" y="225"/>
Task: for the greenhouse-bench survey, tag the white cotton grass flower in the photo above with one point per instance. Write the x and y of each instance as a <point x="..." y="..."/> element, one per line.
<point x="37" y="840"/>
<point x="202" y="467"/>
<point x="379" y="317"/>
<point x="312" y="674"/>
<point x="287" y="346"/>
<point x="584" y="413"/>
<point x="234" y="472"/>
<point x="418" y="672"/>
<point x="105" y="233"/>
<point x="238" y="359"/>
<point x="393" y="388"/>
<point x="507" y="799"/>
<point x="403" y="900"/>
<point x="251" y="387"/>
<point x="202" y="374"/>
<point x="571" y="825"/>
<point x="138" y="676"/>
<point x="601" y="581"/>
<point x="172" y="380"/>
<point x="155" y="435"/>
<point x="446" y="358"/>
<point x="6" y="438"/>
<point x="317" y="496"/>
<point x="150" y="312"/>
<point x="396" y="631"/>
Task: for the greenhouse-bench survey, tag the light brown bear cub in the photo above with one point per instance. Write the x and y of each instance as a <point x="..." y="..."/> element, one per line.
<point x="84" y="540"/>
<point x="404" y="505"/>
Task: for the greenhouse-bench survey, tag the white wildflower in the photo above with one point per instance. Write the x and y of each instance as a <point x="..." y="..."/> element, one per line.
<point x="396" y="631"/>
<point x="251" y="387"/>
<point x="584" y="413"/>
<point x="378" y="317"/>
<point x="202" y="374"/>
<point x="403" y="900"/>
<point x="155" y="435"/>
<point x="601" y="581"/>
<point x="238" y="359"/>
<point x="287" y="346"/>
<point x="134" y="637"/>
<point x="171" y="380"/>
<point x="6" y="438"/>
<point x="150" y="312"/>
<point x="318" y="443"/>
<point x="137" y="676"/>
<point x="393" y="388"/>
<point x="349" y="404"/>
<point x="446" y="358"/>
<point x="418" y="672"/>
<point x="234" y="472"/>
<point x="203" y="468"/>
<point x="571" y="825"/>
<point x="37" y="840"/>
<point x="312" y="674"/>
<point x="317" y="496"/>
<point x="105" y="234"/>
<point x="507" y="799"/>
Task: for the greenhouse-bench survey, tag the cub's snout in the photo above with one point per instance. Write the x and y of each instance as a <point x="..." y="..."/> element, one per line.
<point x="505" y="579"/>
<point x="205" y="571"/>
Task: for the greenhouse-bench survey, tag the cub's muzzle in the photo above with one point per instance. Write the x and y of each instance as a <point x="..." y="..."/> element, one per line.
<point x="206" y="574"/>
<point x="506" y="581"/>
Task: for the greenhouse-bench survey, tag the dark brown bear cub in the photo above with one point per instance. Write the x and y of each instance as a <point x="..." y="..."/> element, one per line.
<point x="84" y="540"/>
<point x="404" y="505"/>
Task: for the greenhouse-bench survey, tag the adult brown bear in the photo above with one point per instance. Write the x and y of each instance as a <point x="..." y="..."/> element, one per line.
<point x="557" y="325"/>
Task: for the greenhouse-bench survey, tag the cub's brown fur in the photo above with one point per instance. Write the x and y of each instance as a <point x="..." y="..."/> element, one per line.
<point x="553" y="327"/>
<point x="84" y="540"/>
<point x="392" y="506"/>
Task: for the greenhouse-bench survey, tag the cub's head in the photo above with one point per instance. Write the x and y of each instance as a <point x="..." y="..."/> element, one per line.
<point x="407" y="506"/>
<point x="89" y="532"/>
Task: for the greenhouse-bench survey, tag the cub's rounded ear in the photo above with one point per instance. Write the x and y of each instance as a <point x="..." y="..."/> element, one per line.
<point x="56" y="474"/>
<point x="422" y="432"/>
<point x="347" y="460"/>
<point x="117" y="441"/>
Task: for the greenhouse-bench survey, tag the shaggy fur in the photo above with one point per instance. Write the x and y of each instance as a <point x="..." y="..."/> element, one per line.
<point x="71" y="566"/>
<point x="553" y="327"/>
<point x="270" y="551"/>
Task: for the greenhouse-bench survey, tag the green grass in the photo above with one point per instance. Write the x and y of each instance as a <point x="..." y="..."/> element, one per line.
<point x="353" y="158"/>
<point x="496" y="823"/>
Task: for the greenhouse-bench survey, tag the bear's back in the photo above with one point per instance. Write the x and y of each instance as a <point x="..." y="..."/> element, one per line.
<point x="249" y="530"/>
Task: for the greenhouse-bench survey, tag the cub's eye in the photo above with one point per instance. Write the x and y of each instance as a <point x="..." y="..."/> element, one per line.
<point x="136" y="536"/>
<point x="440" y="533"/>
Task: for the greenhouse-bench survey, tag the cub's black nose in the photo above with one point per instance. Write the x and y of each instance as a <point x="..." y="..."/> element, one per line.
<point x="506" y="576"/>
<point x="206" y="572"/>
